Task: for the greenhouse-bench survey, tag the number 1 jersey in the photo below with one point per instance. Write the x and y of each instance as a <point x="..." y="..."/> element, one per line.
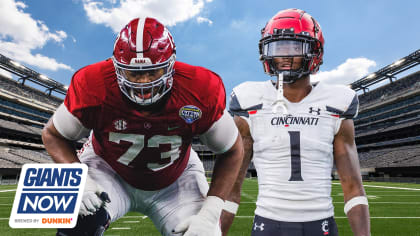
<point x="293" y="151"/>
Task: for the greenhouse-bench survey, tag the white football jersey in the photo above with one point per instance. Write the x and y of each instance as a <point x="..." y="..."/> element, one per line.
<point x="293" y="152"/>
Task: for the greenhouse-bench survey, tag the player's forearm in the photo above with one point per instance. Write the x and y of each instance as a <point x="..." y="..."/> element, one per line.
<point x="359" y="220"/>
<point x="60" y="149"/>
<point x="358" y="215"/>
<point x="235" y="195"/>
<point x="226" y="170"/>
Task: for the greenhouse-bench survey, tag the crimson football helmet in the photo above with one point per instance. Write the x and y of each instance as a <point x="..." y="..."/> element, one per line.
<point x="144" y="45"/>
<point x="293" y="35"/>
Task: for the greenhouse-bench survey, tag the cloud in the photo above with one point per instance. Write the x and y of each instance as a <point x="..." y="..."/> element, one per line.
<point x="202" y="20"/>
<point x="20" y="34"/>
<point x="348" y="72"/>
<point x="115" y="14"/>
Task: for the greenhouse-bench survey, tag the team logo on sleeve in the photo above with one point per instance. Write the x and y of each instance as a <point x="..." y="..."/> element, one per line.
<point x="190" y="113"/>
<point x="48" y="196"/>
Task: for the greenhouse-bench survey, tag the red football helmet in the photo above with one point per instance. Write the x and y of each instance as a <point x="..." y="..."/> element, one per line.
<point x="291" y="34"/>
<point x="144" y="45"/>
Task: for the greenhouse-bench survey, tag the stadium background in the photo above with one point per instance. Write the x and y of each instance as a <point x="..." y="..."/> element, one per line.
<point x="387" y="138"/>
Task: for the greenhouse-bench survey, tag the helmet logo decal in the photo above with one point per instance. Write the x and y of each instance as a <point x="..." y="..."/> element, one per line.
<point x="190" y="113"/>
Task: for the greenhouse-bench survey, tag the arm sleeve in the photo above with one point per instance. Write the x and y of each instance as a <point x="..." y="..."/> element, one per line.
<point x="352" y="109"/>
<point x="235" y="108"/>
<point x="222" y="134"/>
<point x="350" y="113"/>
<point x="68" y="125"/>
<point x="82" y="98"/>
<point x="215" y="100"/>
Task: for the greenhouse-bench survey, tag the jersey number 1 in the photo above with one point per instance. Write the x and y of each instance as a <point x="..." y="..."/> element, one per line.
<point x="295" y="156"/>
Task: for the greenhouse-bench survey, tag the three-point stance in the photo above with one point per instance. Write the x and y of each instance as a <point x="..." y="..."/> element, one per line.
<point x="294" y="131"/>
<point x="143" y="109"/>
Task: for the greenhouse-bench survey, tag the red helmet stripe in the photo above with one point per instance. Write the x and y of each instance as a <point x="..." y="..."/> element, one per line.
<point x="139" y="37"/>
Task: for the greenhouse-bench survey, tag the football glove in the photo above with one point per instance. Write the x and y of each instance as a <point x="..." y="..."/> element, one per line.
<point x="206" y="222"/>
<point x="93" y="198"/>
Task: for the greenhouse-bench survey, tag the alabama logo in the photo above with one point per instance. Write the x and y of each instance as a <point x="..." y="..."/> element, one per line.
<point x="48" y="196"/>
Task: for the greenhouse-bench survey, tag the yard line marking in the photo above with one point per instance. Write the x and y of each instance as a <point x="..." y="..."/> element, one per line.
<point x="389" y="187"/>
<point x="372" y="217"/>
<point x="247" y="195"/>
<point x="133" y="221"/>
<point x="4" y="218"/>
<point x="121" y="228"/>
<point x="337" y="195"/>
<point x="371" y="202"/>
<point x="7" y="190"/>
<point x="387" y="191"/>
<point x="143" y="217"/>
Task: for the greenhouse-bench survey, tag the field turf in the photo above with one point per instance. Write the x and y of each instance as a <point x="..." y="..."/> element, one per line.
<point x="394" y="210"/>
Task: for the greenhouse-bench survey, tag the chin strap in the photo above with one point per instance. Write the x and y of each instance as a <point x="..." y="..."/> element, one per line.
<point x="280" y="98"/>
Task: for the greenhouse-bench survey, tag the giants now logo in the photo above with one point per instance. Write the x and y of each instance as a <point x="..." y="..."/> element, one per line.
<point x="48" y="196"/>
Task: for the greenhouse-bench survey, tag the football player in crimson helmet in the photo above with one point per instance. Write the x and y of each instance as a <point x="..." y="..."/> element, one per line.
<point x="144" y="61"/>
<point x="142" y="109"/>
<point x="293" y="149"/>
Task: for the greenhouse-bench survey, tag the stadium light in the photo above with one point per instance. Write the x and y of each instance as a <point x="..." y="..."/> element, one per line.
<point x="66" y="87"/>
<point x="43" y="77"/>
<point x="398" y="62"/>
<point x="17" y="64"/>
<point x="371" y="76"/>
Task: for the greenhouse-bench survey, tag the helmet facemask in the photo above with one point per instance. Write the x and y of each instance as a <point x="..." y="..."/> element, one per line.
<point x="147" y="93"/>
<point x="144" y="59"/>
<point x="281" y="53"/>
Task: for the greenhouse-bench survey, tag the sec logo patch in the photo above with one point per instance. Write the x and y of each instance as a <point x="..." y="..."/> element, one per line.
<point x="48" y="196"/>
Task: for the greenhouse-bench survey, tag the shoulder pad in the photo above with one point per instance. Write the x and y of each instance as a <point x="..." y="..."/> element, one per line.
<point x="343" y="101"/>
<point x="246" y="97"/>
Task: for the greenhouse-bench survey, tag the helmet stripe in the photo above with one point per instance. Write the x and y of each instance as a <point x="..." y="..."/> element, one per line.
<point x="139" y="37"/>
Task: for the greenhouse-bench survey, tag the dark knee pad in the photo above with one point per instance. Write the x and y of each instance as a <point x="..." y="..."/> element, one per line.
<point x="91" y="225"/>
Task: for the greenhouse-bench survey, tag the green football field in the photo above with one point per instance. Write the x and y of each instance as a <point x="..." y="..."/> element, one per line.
<point x="394" y="210"/>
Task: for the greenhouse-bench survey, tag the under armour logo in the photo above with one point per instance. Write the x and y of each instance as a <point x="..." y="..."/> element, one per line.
<point x="318" y="111"/>
<point x="324" y="227"/>
<point x="261" y="227"/>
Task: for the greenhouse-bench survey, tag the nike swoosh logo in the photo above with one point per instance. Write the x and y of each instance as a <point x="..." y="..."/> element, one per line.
<point x="172" y="128"/>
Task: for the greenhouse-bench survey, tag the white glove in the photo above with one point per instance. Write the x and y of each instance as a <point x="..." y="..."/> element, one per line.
<point x="93" y="198"/>
<point x="206" y="222"/>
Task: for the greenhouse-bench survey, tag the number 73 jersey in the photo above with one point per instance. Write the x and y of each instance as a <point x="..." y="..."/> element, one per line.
<point x="293" y="150"/>
<point x="148" y="151"/>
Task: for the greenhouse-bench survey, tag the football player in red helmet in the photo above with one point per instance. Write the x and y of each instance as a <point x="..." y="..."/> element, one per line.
<point x="294" y="148"/>
<point x="142" y="109"/>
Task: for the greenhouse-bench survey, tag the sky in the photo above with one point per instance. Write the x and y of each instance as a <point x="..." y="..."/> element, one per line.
<point x="56" y="38"/>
